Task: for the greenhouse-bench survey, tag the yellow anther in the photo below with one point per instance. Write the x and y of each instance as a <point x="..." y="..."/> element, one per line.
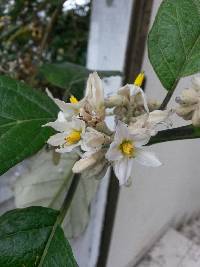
<point x="139" y="80"/>
<point x="127" y="148"/>
<point x="73" y="137"/>
<point x="73" y="100"/>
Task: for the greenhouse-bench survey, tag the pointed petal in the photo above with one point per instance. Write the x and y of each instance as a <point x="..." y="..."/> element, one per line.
<point x="68" y="108"/>
<point x="57" y="139"/>
<point x="134" y="90"/>
<point x="94" y="91"/>
<point x="147" y="158"/>
<point x="141" y="138"/>
<point x="123" y="169"/>
<point x="122" y="132"/>
<point x="113" y="152"/>
<point x="58" y="126"/>
<point x="68" y="148"/>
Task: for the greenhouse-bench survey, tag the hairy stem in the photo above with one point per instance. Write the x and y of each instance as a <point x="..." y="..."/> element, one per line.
<point x="180" y="133"/>
<point x="168" y="96"/>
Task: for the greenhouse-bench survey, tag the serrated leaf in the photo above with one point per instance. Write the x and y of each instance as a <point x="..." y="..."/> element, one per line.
<point x="22" y="113"/>
<point x="174" y="41"/>
<point x="46" y="184"/>
<point x="32" y="237"/>
<point x="69" y="76"/>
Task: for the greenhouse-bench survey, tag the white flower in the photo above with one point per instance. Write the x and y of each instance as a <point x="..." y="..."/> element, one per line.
<point x="133" y="101"/>
<point x="69" y="109"/>
<point x="134" y="93"/>
<point x="95" y="93"/>
<point x="148" y="123"/>
<point x="189" y="103"/>
<point x="125" y="149"/>
<point x="92" y="144"/>
<point x="93" y="140"/>
<point x="70" y="135"/>
<point x="93" y="110"/>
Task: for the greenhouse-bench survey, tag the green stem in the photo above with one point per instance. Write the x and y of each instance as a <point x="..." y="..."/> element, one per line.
<point x="180" y="133"/>
<point x="63" y="211"/>
<point x="68" y="199"/>
<point x="168" y="96"/>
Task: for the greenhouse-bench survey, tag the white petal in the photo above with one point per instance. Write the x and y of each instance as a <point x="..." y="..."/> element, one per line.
<point x="134" y="90"/>
<point x="113" y="152"/>
<point x="122" y="132"/>
<point x="61" y="117"/>
<point x="196" y="83"/>
<point x="92" y="139"/>
<point x="94" y="91"/>
<point x="83" y="164"/>
<point x="125" y="91"/>
<point x="68" y="108"/>
<point x="159" y="116"/>
<point x="57" y="139"/>
<point x="123" y="170"/>
<point x="141" y="137"/>
<point x="58" y="125"/>
<point x="78" y="125"/>
<point x="67" y="148"/>
<point x="147" y="158"/>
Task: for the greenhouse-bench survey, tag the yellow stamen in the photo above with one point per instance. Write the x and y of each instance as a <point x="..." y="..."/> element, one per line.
<point x="73" y="137"/>
<point x="73" y="100"/>
<point x="127" y="147"/>
<point x="139" y="80"/>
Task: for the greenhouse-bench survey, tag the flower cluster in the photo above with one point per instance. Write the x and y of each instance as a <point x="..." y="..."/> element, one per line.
<point x="82" y="128"/>
<point x="189" y="103"/>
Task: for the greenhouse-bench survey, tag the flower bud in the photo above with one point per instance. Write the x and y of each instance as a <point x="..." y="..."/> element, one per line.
<point x="88" y="161"/>
<point x="115" y="100"/>
<point x="189" y="103"/>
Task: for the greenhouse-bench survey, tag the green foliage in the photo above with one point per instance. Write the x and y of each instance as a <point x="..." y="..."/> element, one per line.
<point x="23" y="111"/>
<point x="23" y="25"/>
<point x="32" y="237"/>
<point x="71" y="77"/>
<point x="174" y="41"/>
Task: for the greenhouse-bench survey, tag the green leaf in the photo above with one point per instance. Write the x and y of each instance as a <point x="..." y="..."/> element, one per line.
<point x="32" y="237"/>
<point x="69" y="76"/>
<point x="174" y="41"/>
<point x="45" y="184"/>
<point x="23" y="111"/>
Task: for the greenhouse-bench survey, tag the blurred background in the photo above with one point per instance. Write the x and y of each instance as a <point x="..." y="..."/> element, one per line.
<point x="23" y="25"/>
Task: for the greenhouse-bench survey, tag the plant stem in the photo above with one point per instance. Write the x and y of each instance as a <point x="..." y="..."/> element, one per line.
<point x="168" y="96"/>
<point x="180" y="133"/>
<point x="63" y="211"/>
<point x="69" y="197"/>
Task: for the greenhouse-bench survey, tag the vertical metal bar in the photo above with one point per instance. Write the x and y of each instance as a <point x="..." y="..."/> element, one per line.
<point x="139" y="25"/>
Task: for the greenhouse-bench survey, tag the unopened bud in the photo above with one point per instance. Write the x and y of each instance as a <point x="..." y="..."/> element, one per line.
<point x="115" y="100"/>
